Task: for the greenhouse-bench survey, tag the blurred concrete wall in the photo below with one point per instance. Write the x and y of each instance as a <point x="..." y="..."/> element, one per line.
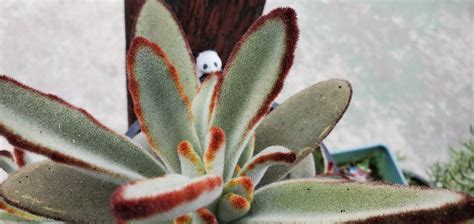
<point x="410" y="63"/>
<point x="74" y="49"/>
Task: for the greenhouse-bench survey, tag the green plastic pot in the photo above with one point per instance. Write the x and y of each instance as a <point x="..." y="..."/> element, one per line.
<point x="380" y="156"/>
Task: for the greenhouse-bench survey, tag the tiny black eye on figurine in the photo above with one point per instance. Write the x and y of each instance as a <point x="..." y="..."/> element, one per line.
<point x="208" y="62"/>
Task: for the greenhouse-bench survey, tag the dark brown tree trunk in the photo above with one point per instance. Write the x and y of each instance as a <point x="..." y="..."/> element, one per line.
<point x="208" y="25"/>
<point x="132" y="8"/>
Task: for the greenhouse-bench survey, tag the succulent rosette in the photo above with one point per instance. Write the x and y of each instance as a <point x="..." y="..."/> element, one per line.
<point x="208" y="152"/>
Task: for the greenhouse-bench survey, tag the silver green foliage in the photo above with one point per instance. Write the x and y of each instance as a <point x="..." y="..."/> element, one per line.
<point x="103" y="177"/>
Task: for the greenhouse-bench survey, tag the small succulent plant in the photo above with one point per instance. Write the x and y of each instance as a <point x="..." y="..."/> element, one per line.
<point x="213" y="152"/>
<point x="458" y="173"/>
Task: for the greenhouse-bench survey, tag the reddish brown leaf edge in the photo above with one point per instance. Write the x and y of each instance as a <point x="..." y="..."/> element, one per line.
<point x="207" y="216"/>
<point x="451" y="213"/>
<point x="6" y="153"/>
<point x="144" y="207"/>
<point x="20" y="142"/>
<point x="288" y="16"/>
<point x="173" y="15"/>
<point x="457" y="212"/>
<point x="186" y="150"/>
<point x="134" y="19"/>
<point x="19" y="157"/>
<point x="286" y="157"/>
<point x="134" y="88"/>
<point x="215" y="92"/>
<point x="216" y="141"/>
<point x="244" y="182"/>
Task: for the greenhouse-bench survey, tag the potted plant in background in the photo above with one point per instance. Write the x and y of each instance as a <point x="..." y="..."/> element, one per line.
<point x="209" y="146"/>
<point x="458" y="173"/>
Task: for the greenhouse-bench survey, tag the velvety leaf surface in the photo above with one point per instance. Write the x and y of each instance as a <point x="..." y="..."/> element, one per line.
<point x="271" y="156"/>
<point x="140" y="140"/>
<point x="248" y="152"/>
<point x="164" y="198"/>
<point x="162" y="107"/>
<point x="253" y="77"/>
<point x="215" y="151"/>
<point x="203" y="105"/>
<point x="242" y="186"/>
<point x="306" y="168"/>
<point x="232" y="206"/>
<point x="158" y="24"/>
<point x="47" y="125"/>
<point x="304" y="120"/>
<point x="236" y="199"/>
<point x="11" y="213"/>
<point x="61" y="192"/>
<point x="204" y="216"/>
<point x="191" y="163"/>
<point x="326" y="200"/>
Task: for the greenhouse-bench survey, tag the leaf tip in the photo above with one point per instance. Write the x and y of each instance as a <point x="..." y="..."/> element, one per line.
<point x="185" y="149"/>
<point x="207" y="216"/>
<point x="216" y="141"/>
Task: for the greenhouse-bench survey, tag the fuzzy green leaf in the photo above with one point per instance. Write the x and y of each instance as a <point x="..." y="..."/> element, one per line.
<point x="140" y="140"/>
<point x="61" y="192"/>
<point x="306" y="168"/>
<point x="271" y="156"/>
<point x="329" y="201"/>
<point x="203" y="216"/>
<point x="232" y="206"/>
<point x="242" y="186"/>
<point x="47" y="125"/>
<point x="303" y="121"/>
<point x="191" y="162"/>
<point x="158" y="24"/>
<point x="215" y="151"/>
<point x="248" y="152"/>
<point x="203" y="105"/>
<point x="163" y="109"/>
<point x="236" y="199"/>
<point x="11" y="213"/>
<point x="253" y="77"/>
<point x="164" y="198"/>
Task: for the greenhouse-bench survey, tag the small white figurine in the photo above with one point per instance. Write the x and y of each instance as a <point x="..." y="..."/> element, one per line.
<point x="207" y="62"/>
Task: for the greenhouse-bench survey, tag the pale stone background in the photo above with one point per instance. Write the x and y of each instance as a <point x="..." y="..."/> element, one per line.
<point x="410" y="63"/>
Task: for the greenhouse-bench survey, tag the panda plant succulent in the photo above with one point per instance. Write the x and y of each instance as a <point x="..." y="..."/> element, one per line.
<point x="208" y="145"/>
